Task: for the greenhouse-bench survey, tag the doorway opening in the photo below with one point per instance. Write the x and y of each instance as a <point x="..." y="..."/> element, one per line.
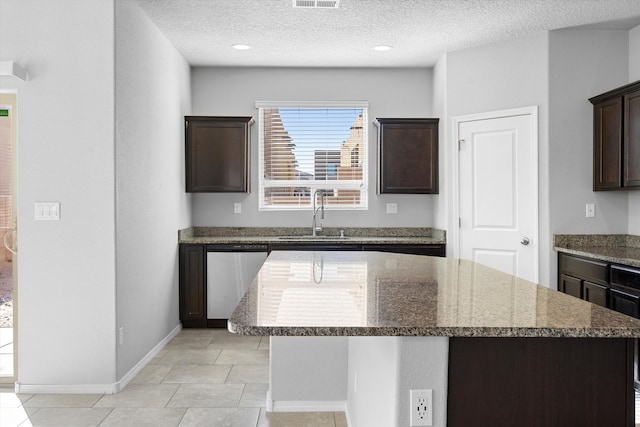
<point x="8" y="259"/>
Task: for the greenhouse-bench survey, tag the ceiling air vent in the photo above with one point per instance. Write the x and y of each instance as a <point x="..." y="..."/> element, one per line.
<point x="316" y="4"/>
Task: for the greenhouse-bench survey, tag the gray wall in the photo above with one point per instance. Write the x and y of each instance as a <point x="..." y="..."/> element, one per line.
<point x="390" y="92"/>
<point x="634" y="75"/>
<point x="501" y="76"/>
<point x="152" y="95"/>
<point x="66" y="268"/>
<point x="582" y="64"/>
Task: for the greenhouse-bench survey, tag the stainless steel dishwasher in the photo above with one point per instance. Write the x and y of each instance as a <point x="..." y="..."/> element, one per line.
<point x="230" y="270"/>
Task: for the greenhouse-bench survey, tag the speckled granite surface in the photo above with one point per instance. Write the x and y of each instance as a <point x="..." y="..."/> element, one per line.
<point x="617" y="248"/>
<point x="212" y="235"/>
<point x="382" y="294"/>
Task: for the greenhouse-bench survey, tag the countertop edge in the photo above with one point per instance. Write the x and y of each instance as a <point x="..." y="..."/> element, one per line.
<point x="592" y="253"/>
<point x="441" y="331"/>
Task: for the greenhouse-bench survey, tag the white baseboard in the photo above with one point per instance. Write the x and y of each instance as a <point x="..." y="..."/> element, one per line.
<point x="98" y="388"/>
<point x="120" y="385"/>
<point x="305" y="405"/>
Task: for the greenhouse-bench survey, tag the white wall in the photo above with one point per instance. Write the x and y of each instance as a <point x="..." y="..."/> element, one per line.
<point x="373" y="381"/>
<point x="66" y="269"/>
<point x="387" y="369"/>
<point x="390" y="92"/>
<point x="501" y="76"/>
<point x="582" y="64"/>
<point x="153" y="94"/>
<point x="440" y="109"/>
<point x="308" y="372"/>
<point x="634" y="75"/>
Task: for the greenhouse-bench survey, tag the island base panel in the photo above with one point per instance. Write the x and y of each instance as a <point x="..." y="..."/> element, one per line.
<point x="540" y="382"/>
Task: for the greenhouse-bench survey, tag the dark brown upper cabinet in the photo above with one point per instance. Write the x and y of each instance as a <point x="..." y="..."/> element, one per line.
<point x="616" y="139"/>
<point x="217" y="153"/>
<point x="407" y="156"/>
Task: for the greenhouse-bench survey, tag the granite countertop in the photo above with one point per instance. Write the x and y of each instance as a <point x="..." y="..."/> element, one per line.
<point x="616" y="248"/>
<point x="362" y="235"/>
<point x="323" y="293"/>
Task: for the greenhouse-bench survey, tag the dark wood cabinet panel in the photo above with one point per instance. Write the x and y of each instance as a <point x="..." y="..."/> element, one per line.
<point x="540" y="382"/>
<point x="571" y="286"/>
<point x="596" y="294"/>
<point x="632" y="139"/>
<point x="625" y="301"/>
<point x="616" y="139"/>
<point x="608" y="145"/>
<point x="217" y="153"/>
<point x="588" y="269"/>
<point x="192" y="288"/>
<point x="408" y="156"/>
<point x="430" y="250"/>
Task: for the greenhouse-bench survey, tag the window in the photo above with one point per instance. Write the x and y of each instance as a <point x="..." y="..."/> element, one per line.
<point x="306" y="147"/>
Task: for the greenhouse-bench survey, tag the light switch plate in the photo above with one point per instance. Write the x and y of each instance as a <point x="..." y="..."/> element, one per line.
<point x="392" y="208"/>
<point x="237" y="208"/>
<point x="47" y="211"/>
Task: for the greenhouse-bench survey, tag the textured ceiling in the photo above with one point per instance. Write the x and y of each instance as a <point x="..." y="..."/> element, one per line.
<point x="420" y="31"/>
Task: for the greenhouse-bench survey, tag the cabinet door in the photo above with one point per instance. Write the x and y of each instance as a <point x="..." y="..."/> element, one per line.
<point x="625" y="301"/>
<point x="571" y="286"/>
<point x="596" y="294"/>
<point x="217" y="154"/>
<point x="408" y="156"/>
<point x="192" y="289"/>
<point x="631" y="167"/>
<point x="607" y="155"/>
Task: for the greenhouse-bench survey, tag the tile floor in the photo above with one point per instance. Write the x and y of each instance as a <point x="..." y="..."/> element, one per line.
<point x="204" y="377"/>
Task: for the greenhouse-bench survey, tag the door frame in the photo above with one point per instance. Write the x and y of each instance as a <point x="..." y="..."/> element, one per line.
<point x="14" y="378"/>
<point x="454" y="220"/>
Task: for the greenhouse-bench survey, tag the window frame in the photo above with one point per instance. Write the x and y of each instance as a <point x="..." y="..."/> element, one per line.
<point x="361" y="184"/>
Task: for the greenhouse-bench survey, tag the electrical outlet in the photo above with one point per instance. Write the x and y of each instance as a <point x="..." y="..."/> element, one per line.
<point x="121" y="335"/>
<point x="392" y="208"/>
<point x="237" y="208"/>
<point x="591" y="210"/>
<point x="421" y="407"/>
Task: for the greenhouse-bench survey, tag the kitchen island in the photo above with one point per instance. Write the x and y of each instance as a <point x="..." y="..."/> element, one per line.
<point x="366" y="327"/>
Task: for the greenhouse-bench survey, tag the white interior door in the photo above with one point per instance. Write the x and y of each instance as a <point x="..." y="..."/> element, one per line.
<point x="498" y="191"/>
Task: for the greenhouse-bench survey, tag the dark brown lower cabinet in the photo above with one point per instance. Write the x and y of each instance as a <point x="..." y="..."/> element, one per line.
<point x="192" y="288"/>
<point x="550" y="382"/>
<point x="430" y="250"/>
<point x="193" y="272"/>
<point x="613" y="286"/>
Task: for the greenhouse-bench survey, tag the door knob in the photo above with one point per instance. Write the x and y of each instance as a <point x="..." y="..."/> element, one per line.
<point x="525" y="241"/>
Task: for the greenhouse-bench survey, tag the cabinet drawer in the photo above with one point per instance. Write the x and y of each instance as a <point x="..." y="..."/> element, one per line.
<point x="594" y="271"/>
<point x="625" y="276"/>
<point x="626" y="301"/>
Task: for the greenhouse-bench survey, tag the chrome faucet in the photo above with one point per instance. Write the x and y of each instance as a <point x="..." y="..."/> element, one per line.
<point x="314" y="227"/>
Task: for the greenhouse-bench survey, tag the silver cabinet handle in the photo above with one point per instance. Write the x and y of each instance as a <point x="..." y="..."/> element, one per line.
<point x="525" y="241"/>
<point x="11" y="248"/>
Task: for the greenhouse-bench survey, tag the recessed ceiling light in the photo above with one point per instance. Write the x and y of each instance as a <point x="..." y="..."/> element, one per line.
<point x="382" y="48"/>
<point x="241" y="46"/>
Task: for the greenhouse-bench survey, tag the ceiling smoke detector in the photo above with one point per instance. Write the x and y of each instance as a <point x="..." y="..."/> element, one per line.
<point x="316" y="4"/>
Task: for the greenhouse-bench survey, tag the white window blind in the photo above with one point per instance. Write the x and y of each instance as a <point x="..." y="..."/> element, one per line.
<point x="306" y="147"/>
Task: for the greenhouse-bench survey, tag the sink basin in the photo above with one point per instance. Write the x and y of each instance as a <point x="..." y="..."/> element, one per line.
<point x="312" y="238"/>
